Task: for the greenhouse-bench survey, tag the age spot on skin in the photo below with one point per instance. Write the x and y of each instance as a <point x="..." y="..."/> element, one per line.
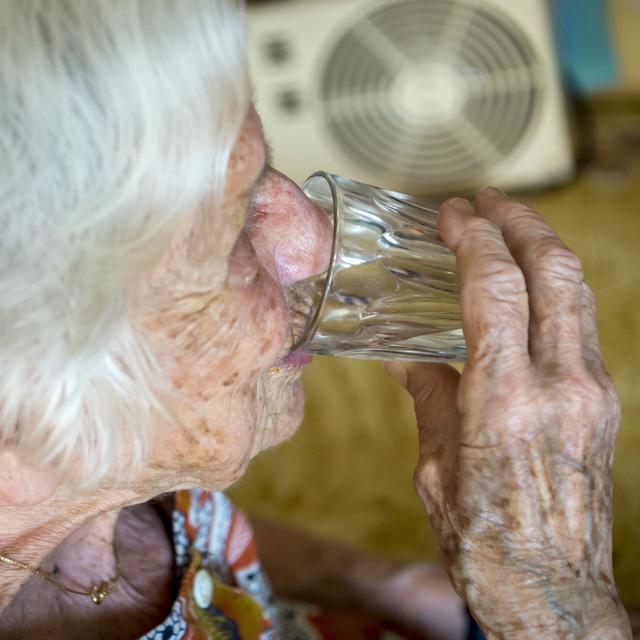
<point x="265" y="346"/>
<point x="230" y="380"/>
<point x="249" y="391"/>
<point x="203" y="426"/>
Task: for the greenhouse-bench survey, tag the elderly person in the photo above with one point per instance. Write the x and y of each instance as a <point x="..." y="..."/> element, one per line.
<point x="144" y="337"/>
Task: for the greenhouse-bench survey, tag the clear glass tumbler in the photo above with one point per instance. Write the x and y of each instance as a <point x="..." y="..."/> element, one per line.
<point x="391" y="290"/>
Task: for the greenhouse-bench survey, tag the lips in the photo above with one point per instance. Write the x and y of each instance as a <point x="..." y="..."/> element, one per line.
<point x="295" y="360"/>
<point x="298" y="321"/>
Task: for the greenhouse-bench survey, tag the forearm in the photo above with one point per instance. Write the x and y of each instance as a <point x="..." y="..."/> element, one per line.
<point x="580" y="611"/>
<point x="615" y="627"/>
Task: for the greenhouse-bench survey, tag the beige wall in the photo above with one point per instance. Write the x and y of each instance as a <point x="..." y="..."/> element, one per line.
<point x="626" y="29"/>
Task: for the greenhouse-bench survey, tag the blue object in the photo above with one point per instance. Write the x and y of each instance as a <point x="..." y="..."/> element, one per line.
<point x="473" y="632"/>
<point x="584" y="44"/>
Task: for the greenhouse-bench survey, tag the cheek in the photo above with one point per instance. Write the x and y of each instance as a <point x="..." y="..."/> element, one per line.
<point x="235" y="340"/>
<point x="260" y="327"/>
<point x="231" y="404"/>
<point x="219" y="437"/>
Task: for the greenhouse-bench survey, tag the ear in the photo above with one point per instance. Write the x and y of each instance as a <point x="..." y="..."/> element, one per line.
<point x="21" y="486"/>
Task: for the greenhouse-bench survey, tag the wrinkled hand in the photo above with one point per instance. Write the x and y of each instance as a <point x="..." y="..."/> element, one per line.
<point x="516" y="454"/>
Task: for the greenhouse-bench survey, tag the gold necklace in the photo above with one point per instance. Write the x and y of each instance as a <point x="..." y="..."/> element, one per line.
<point x="98" y="592"/>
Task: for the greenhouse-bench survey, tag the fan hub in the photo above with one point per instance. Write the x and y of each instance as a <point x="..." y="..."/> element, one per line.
<point x="429" y="93"/>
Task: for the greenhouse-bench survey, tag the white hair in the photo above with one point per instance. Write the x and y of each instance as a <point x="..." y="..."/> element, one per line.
<point x="117" y="119"/>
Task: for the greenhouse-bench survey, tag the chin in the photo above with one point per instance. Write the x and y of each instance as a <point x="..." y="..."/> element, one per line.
<point x="291" y="412"/>
<point x="283" y="410"/>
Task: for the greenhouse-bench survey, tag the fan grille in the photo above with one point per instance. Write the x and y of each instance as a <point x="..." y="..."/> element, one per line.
<point x="427" y="94"/>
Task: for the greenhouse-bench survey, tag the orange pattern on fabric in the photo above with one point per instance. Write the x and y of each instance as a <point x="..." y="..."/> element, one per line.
<point x="231" y="614"/>
<point x="240" y="549"/>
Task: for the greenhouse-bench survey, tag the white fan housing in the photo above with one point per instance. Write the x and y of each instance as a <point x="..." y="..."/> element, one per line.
<point x="421" y="96"/>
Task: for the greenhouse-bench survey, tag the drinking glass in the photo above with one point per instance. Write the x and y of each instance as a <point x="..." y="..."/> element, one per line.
<point x="391" y="290"/>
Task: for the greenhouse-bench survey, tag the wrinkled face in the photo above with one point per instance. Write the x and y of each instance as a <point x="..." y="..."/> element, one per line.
<point x="216" y="312"/>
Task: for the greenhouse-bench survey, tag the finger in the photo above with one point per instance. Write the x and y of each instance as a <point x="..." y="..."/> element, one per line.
<point x="590" y="337"/>
<point x="434" y="388"/>
<point x="554" y="280"/>
<point x="495" y="311"/>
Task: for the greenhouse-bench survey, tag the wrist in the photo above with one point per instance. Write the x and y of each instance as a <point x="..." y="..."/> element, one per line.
<point x="607" y="619"/>
<point x="579" y="609"/>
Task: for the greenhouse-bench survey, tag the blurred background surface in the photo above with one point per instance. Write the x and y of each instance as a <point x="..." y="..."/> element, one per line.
<point x="440" y="97"/>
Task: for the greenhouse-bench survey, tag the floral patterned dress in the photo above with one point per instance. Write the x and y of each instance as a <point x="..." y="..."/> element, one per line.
<point x="224" y="593"/>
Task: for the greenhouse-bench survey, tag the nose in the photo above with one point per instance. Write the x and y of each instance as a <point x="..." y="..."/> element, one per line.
<point x="290" y="235"/>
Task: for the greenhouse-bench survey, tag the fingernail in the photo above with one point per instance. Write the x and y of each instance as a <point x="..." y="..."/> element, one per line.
<point x="460" y="204"/>
<point x="492" y="192"/>
<point x="397" y="371"/>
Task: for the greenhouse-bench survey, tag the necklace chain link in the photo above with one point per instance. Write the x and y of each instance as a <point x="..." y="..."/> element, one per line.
<point x="98" y="592"/>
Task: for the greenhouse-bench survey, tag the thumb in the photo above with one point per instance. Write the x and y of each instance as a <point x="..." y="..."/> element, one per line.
<point x="433" y="386"/>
